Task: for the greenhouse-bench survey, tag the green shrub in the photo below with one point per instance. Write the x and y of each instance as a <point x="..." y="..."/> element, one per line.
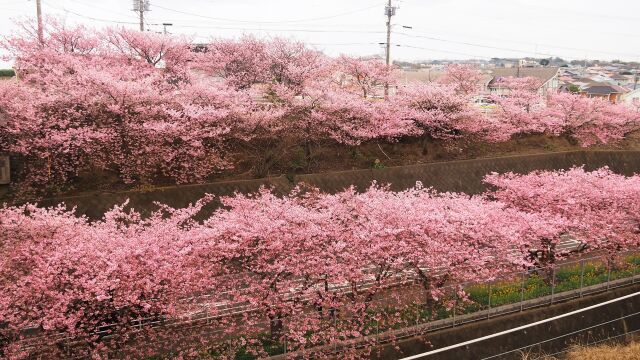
<point x="7" y="73"/>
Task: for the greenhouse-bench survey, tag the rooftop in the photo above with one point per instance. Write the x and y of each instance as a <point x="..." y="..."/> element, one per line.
<point x="543" y="74"/>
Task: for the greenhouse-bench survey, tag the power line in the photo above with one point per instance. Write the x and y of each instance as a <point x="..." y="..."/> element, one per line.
<point x="93" y="18"/>
<point x="342" y="44"/>
<point x="470" y="44"/>
<point x="268" y="22"/>
<point x="317" y="44"/>
<point x="276" y="30"/>
<point x="445" y="51"/>
<point x="541" y="44"/>
<point x="92" y="6"/>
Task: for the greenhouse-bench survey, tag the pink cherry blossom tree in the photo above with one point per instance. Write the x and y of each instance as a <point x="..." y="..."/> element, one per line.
<point x="437" y="111"/>
<point x="590" y="120"/>
<point x="121" y="101"/>
<point x="520" y="110"/>
<point x="465" y="79"/>
<point x="364" y="76"/>
<point x="90" y="282"/>
<point x="313" y="268"/>
<point x="599" y="206"/>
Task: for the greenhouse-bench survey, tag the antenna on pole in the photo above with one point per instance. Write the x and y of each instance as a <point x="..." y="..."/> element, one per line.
<point x="140" y="6"/>
<point x="165" y="27"/>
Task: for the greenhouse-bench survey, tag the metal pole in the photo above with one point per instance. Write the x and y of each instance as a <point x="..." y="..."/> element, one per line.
<point x="455" y="305"/>
<point x="608" y="274"/>
<point x="553" y="281"/>
<point x="335" y="329"/>
<point x="581" y="276"/>
<point x="389" y="15"/>
<point x="522" y="292"/>
<point x="389" y="12"/>
<point x="141" y="5"/>
<point x="489" y="309"/>
<point x="39" y="15"/>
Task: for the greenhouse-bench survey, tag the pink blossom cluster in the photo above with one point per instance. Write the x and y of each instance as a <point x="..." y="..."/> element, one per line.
<point x="151" y="107"/>
<point x="601" y="208"/>
<point x="526" y="109"/>
<point x="310" y="268"/>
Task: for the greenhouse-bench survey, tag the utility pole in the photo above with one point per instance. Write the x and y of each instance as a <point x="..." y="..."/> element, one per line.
<point x="165" y="27"/>
<point x="39" y="15"/>
<point x="140" y="6"/>
<point x="389" y="11"/>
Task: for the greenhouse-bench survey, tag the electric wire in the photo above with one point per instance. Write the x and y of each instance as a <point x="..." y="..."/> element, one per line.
<point x="269" y="22"/>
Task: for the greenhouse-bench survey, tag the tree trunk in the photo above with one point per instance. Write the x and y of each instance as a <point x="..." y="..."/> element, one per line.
<point x="307" y="154"/>
<point x="426" y="141"/>
<point x="276" y="326"/>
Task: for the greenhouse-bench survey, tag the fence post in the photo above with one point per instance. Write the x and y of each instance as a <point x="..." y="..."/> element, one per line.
<point x="635" y="268"/>
<point x="335" y="329"/>
<point x="553" y="281"/>
<point x="581" y="276"/>
<point x="284" y="326"/>
<point x="455" y="305"/>
<point x="522" y="292"/>
<point x="608" y="274"/>
<point x="489" y="309"/>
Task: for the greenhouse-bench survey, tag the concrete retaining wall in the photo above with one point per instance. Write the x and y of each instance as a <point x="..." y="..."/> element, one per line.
<point x="460" y="176"/>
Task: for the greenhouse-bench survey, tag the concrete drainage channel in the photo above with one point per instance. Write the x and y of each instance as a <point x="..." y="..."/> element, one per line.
<point x="611" y="321"/>
<point x="613" y="315"/>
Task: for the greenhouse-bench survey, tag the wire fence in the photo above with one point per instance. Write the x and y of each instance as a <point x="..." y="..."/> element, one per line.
<point x="511" y="293"/>
<point x="460" y="303"/>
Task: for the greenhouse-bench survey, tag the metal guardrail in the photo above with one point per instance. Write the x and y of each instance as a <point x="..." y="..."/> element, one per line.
<point x="554" y="296"/>
<point x="455" y="319"/>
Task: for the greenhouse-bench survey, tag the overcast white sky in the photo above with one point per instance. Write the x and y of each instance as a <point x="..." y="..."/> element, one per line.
<point x="442" y="29"/>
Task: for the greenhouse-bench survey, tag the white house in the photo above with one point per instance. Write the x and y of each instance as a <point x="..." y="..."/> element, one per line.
<point x="632" y="98"/>
<point x="548" y="77"/>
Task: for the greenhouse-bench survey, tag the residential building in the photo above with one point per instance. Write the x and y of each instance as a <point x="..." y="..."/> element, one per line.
<point x="548" y="77"/>
<point x="604" y="91"/>
<point x="632" y="98"/>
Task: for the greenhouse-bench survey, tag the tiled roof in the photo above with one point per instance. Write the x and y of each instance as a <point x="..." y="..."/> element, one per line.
<point x="603" y="90"/>
<point x="544" y="74"/>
